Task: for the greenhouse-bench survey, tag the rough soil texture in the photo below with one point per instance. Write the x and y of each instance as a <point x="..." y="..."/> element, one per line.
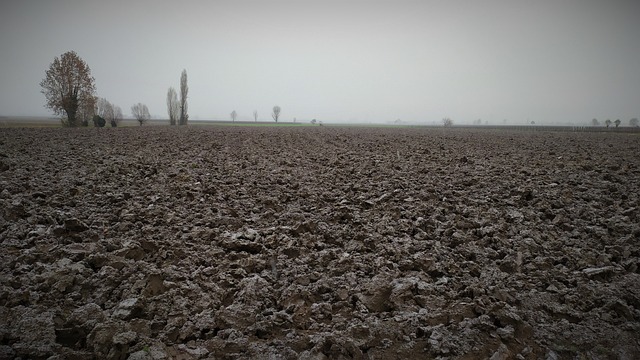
<point x="315" y="243"/>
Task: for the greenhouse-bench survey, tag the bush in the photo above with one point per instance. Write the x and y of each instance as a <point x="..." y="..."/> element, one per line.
<point x="99" y="121"/>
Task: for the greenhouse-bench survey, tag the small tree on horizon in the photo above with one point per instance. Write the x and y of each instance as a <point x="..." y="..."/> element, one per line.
<point x="173" y="107"/>
<point x="184" y="91"/>
<point x="276" y="113"/>
<point x="255" y="115"/>
<point x="608" y="122"/>
<point x="233" y="115"/>
<point x="633" y="122"/>
<point x="141" y="112"/>
<point x="595" y="122"/>
<point x="617" y="122"/>
<point x="117" y="116"/>
<point x="447" y="122"/>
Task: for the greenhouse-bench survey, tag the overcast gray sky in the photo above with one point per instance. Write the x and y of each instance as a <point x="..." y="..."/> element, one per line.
<point x="546" y="61"/>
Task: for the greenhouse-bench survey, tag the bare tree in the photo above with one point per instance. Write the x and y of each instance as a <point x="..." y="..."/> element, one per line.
<point x="107" y="111"/>
<point x="255" y="115"/>
<point x="173" y="107"/>
<point x="595" y="122"/>
<point x="276" y="113"/>
<point x="633" y="122"/>
<point x="117" y="116"/>
<point x="87" y="110"/>
<point x="608" y="122"/>
<point x="104" y="109"/>
<point x="141" y="113"/>
<point x="617" y="122"/>
<point x="68" y="86"/>
<point x="233" y="115"/>
<point x="447" y="122"/>
<point x="184" y="90"/>
<point x="101" y="106"/>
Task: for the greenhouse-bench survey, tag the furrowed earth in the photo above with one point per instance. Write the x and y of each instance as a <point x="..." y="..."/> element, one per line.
<point x="318" y="242"/>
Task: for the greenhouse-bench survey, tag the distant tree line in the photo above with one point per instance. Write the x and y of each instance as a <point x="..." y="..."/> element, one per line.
<point x="275" y="114"/>
<point x="632" y="122"/>
<point x="70" y="90"/>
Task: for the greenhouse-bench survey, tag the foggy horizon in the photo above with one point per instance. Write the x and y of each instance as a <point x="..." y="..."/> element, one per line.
<point x="337" y="61"/>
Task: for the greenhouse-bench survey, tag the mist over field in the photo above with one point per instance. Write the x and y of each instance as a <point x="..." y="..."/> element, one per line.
<point x="337" y="61"/>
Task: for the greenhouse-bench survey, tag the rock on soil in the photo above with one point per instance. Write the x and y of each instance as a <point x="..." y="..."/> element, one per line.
<point x="317" y="243"/>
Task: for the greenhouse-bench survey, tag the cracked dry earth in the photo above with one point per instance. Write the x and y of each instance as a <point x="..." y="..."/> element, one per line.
<point x="318" y="242"/>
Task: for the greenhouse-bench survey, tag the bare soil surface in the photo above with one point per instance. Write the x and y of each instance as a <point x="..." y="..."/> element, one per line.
<point x="315" y="243"/>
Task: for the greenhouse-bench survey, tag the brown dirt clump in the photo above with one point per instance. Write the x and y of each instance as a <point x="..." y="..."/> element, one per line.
<point x="300" y="242"/>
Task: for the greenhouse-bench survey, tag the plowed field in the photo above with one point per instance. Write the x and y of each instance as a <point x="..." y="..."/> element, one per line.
<point x="318" y="242"/>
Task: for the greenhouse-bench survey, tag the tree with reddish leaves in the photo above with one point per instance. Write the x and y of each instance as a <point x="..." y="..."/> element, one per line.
<point x="68" y="87"/>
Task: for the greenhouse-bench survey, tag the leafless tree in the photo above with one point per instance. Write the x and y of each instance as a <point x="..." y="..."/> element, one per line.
<point x="276" y="113"/>
<point x="255" y="115"/>
<point x="633" y="122"/>
<point x="447" y="122"/>
<point x="117" y="116"/>
<point x="141" y="113"/>
<point x="87" y="110"/>
<point x="104" y="109"/>
<point x="617" y="122"/>
<point x="107" y="111"/>
<point x="68" y="86"/>
<point x="173" y="107"/>
<point x="233" y="115"/>
<point x="100" y="105"/>
<point x="608" y="122"/>
<point x="184" y="90"/>
<point x="595" y="122"/>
